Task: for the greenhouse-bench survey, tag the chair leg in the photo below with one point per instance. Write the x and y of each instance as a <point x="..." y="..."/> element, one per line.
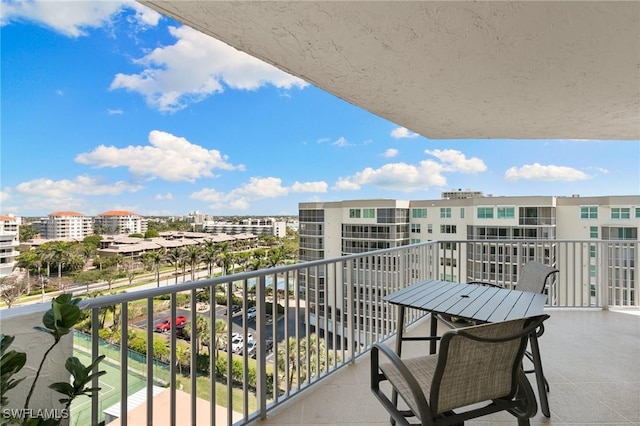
<point x="541" y="381"/>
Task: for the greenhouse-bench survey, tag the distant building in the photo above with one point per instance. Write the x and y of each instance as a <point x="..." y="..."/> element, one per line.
<point x="460" y="194"/>
<point x="61" y="225"/>
<point x="257" y="226"/>
<point x="333" y="229"/>
<point x="120" y="222"/>
<point x="9" y="241"/>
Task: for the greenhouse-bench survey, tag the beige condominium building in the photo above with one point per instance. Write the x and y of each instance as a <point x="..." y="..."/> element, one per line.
<point x="529" y="224"/>
<point x="120" y="222"/>
<point x="9" y="241"/>
<point x="65" y="225"/>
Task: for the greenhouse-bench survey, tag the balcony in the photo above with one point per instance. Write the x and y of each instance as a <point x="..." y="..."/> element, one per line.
<point x="590" y="347"/>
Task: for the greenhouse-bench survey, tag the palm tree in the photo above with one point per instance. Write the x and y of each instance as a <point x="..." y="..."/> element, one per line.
<point x="60" y="255"/>
<point x="222" y="257"/>
<point x="27" y="260"/>
<point x="193" y="256"/>
<point x="220" y="333"/>
<point x="153" y="259"/>
<point x="209" y="255"/>
<point x="242" y="259"/>
<point x="175" y="258"/>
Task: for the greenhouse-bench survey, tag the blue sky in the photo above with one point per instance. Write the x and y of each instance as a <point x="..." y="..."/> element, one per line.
<point x="110" y="106"/>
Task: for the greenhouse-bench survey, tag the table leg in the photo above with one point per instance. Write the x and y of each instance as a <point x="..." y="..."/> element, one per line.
<point x="434" y="333"/>
<point x="399" y="335"/>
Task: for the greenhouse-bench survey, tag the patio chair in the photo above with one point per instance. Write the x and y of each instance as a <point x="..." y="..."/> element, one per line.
<point x="532" y="278"/>
<point x="478" y="371"/>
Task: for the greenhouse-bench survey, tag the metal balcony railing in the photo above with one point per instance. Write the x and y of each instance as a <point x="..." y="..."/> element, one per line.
<point x="310" y="320"/>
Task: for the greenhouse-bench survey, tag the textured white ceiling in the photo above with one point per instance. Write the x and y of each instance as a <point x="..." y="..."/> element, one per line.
<point x="453" y="69"/>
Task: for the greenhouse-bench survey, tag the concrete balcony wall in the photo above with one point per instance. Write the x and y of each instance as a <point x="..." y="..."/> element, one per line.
<point x="19" y="322"/>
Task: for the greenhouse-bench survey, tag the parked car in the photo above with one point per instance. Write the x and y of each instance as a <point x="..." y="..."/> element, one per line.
<point x="165" y="325"/>
<point x="234" y="309"/>
<point x="251" y="313"/>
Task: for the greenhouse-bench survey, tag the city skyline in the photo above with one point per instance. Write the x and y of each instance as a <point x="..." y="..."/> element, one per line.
<point x="110" y="106"/>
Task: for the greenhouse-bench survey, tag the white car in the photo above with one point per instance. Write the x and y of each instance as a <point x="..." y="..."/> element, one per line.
<point x="251" y="313"/>
<point x="237" y="344"/>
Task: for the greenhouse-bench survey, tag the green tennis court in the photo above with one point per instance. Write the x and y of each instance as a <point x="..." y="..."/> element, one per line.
<point x="109" y="394"/>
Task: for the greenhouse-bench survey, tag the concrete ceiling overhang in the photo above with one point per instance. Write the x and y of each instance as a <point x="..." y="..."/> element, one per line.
<point x="451" y="69"/>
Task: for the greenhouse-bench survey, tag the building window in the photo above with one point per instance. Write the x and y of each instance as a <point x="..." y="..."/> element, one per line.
<point x="447" y="229"/>
<point x="448" y="246"/>
<point x="589" y="212"/>
<point x="445" y="212"/>
<point x="637" y="212"/>
<point x="419" y="213"/>
<point x="369" y="213"/>
<point x="592" y="270"/>
<point x="625" y="233"/>
<point x="593" y="232"/>
<point x="592" y="251"/>
<point x="620" y="213"/>
<point x="429" y="228"/>
<point x="485" y="213"/>
<point x="461" y="212"/>
<point x="506" y="212"/>
<point x="415" y="228"/>
<point x="354" y="213"/>
<point x="415" y="240"/>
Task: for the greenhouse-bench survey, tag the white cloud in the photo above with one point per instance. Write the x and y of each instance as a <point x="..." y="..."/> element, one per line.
<point x="254" y="190"/>
<point x="168" y="157"/>
<point x="114" y="111"/>
<point x="403" y="133"/>
<point x="309" y="187"/>
<point x="4" y="196"/>
<point x="74" y="18"/>
<point x="455" y="161"/>
<point x="81" y="185"/>
<point x="396" y="176"/>
<point x="390" y="153"/>
<point x="342" y="141"/>
<point x="539" y="172"/>
<point x="408" y="177"/>
<point x="163" y="197"/>
<point x="195" y="67"/>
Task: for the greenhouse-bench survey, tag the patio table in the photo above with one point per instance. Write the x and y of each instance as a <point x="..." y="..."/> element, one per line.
<point x="471" y="301"/>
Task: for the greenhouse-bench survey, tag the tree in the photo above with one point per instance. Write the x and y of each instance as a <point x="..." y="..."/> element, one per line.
<point x="193" y="256"/>
<point x="27" y="232"/>
<point x="301" y="352"/>
<point x="11" y="288"/>
<point x="153" y="260"/>
<point x="175" y="258"/>
<point x="27" y="260"/>
<point x="220" y="334"/>
<point x="209" y="255"/>
<point x="151" y="233"/>
<point x="183" y="356"/>
<point x="60" y="255"/>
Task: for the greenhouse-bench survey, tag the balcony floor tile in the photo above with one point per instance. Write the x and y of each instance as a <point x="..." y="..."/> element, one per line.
<point x="591" y="360"/>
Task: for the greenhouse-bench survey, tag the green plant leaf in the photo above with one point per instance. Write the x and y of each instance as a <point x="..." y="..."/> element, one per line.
<point x="5" y="342"/>
<point x="63" y="388"/>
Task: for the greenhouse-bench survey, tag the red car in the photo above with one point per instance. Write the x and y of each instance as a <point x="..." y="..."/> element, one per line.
<point x="166" y="324"/>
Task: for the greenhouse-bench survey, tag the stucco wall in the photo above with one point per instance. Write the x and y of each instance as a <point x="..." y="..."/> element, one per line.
<point x="19" y="322"/>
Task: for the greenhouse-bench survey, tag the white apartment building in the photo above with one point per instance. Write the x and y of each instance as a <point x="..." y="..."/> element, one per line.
<point x="120" y="222"/>
<point x="66" y="224"/>
<point x="9" y="241"/>
<point x="256" y="226"/>
<point x="529" y="224"/>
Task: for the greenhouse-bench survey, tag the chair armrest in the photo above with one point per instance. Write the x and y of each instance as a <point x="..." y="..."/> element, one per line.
<point x="400" y="373"/>
<point x="485" y="284"/>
